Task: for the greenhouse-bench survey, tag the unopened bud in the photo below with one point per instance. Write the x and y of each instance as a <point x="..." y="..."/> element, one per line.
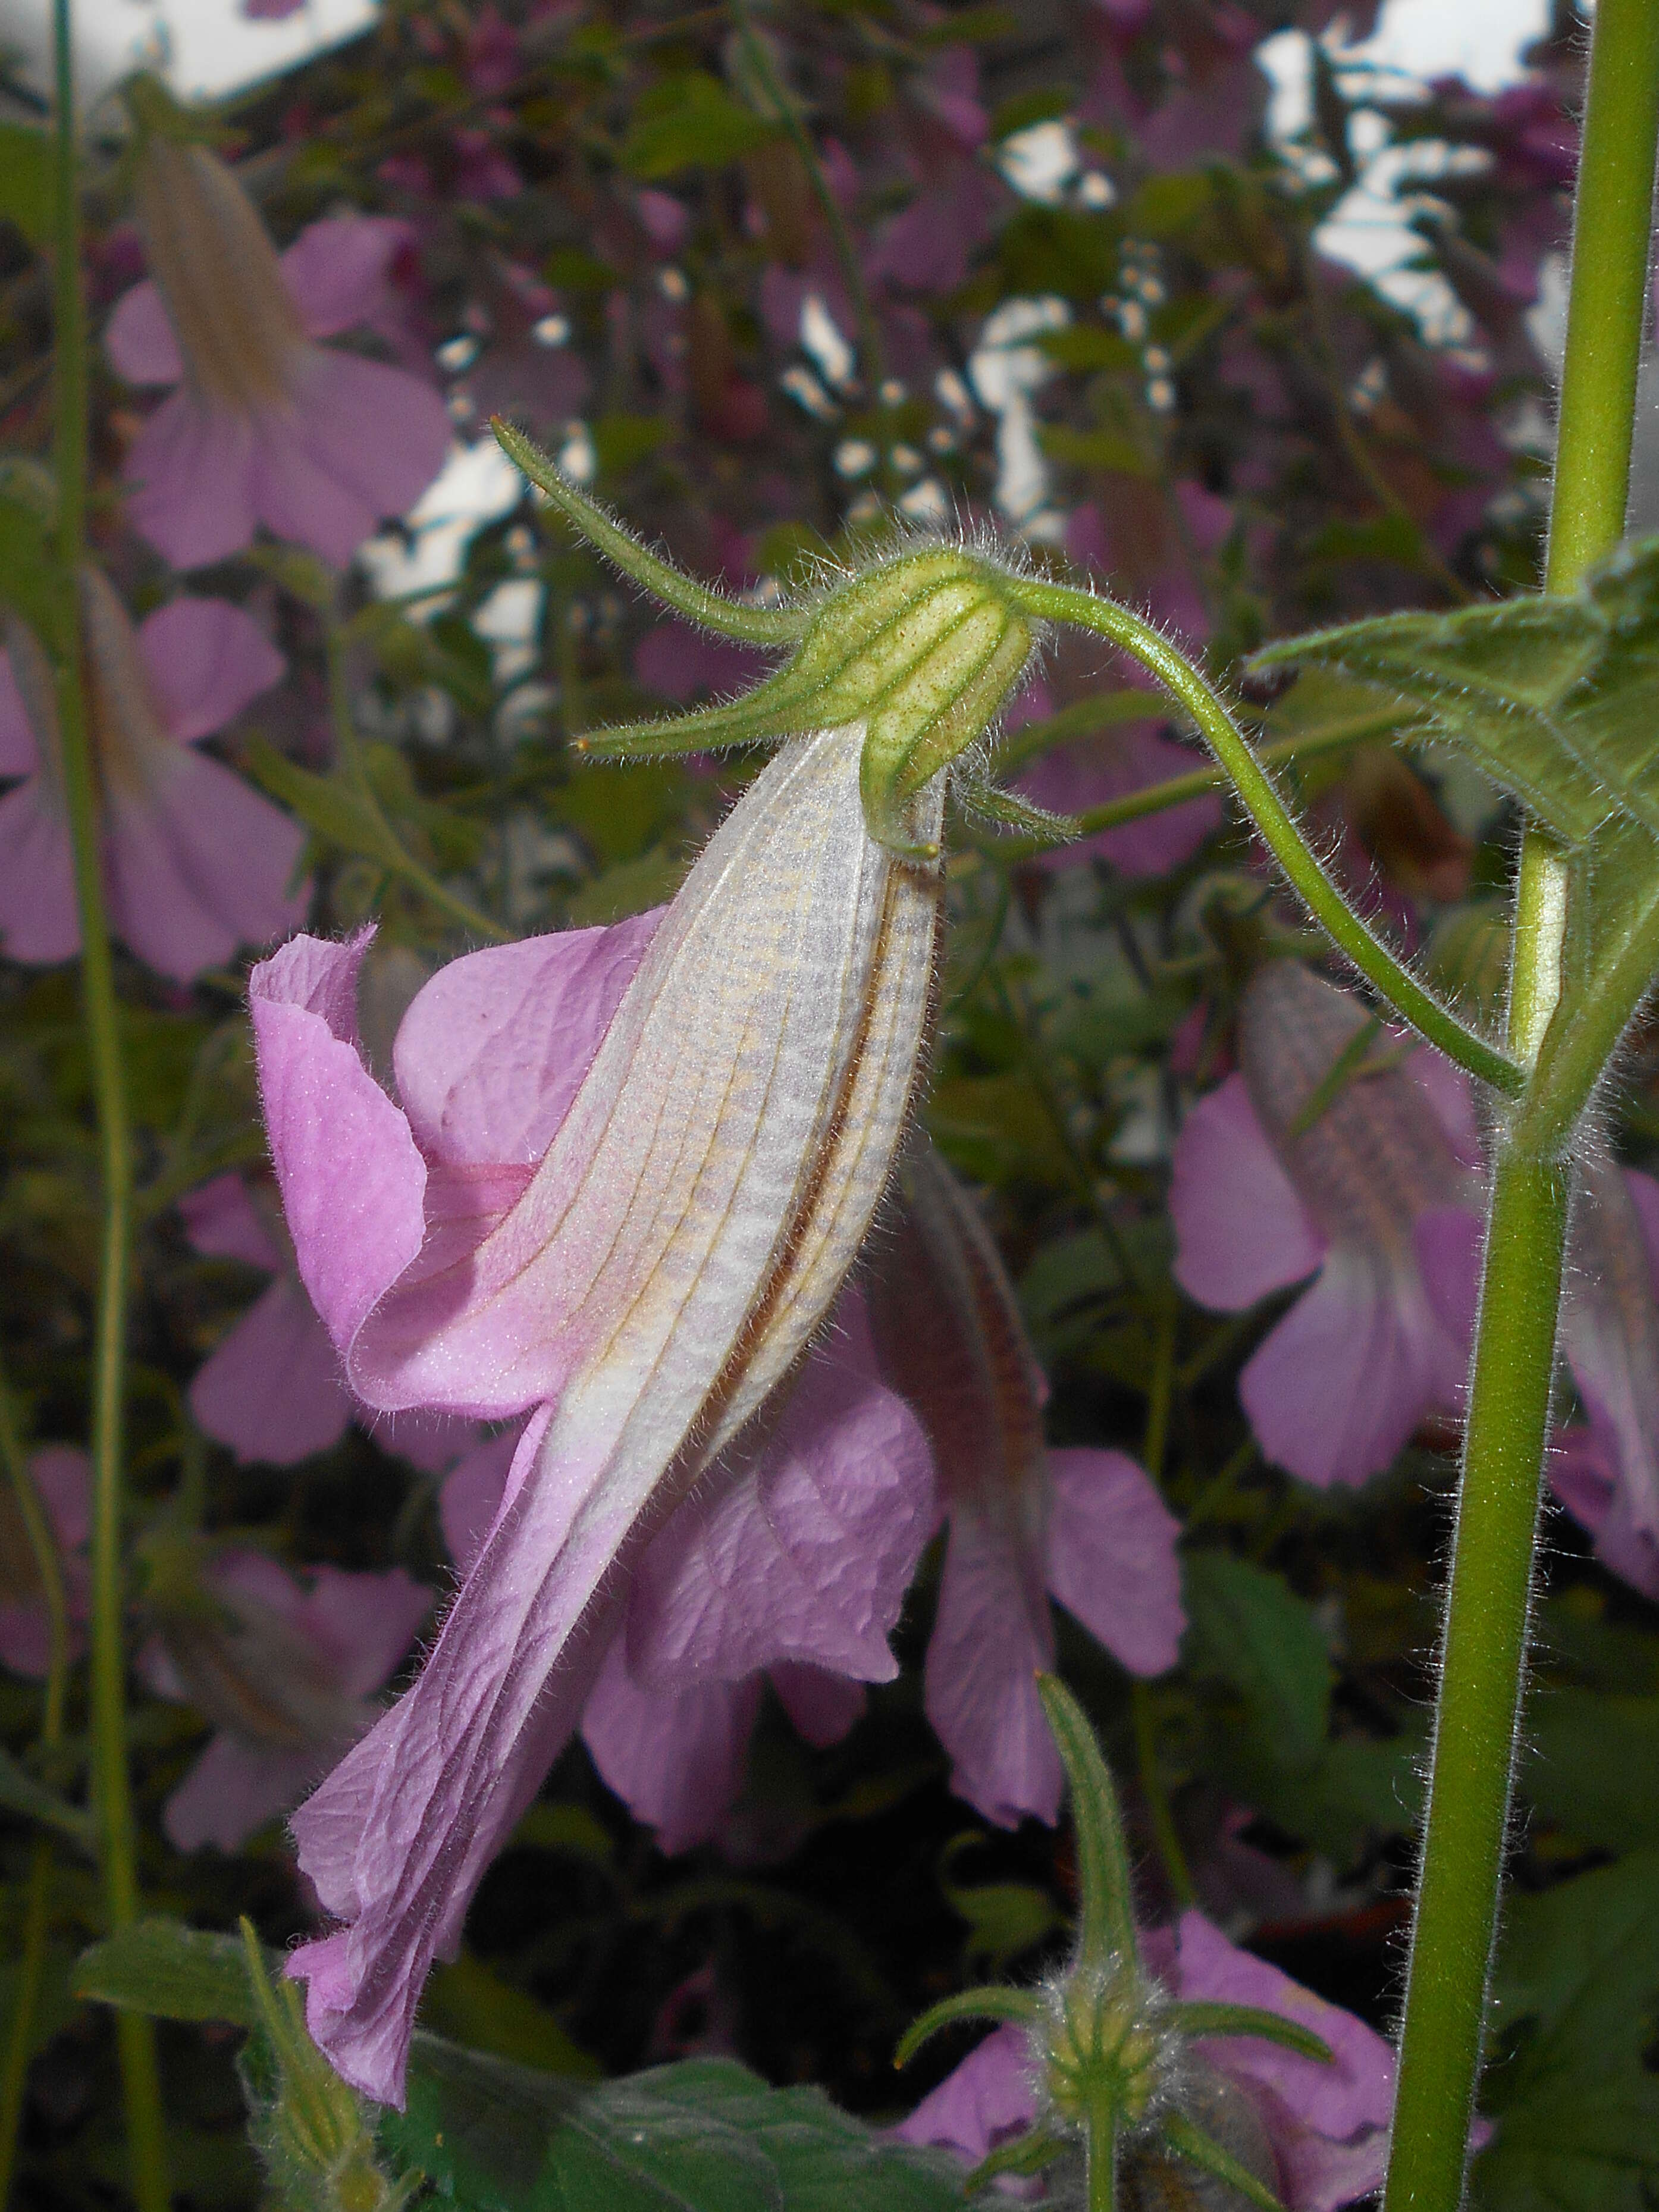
<point x="1106" y="2047"/>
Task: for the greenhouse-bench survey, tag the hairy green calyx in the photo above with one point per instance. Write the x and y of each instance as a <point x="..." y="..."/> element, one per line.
<point x="921" y="649"/>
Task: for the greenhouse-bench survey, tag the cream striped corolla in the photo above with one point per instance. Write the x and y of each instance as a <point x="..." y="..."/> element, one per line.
<point x="628" y="1176"/>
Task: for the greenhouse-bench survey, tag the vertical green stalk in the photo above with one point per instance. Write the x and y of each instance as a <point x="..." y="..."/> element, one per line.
<point x="37" y="1897"/>
<point x="110" y="1785"/>
<point x="1485" y="1645"/>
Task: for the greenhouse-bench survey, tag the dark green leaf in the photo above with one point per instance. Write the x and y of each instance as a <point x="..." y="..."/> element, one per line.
<point x="1250" y="1627"/>
<point x="706" y="2136"/>
<point x="691" y="121"/>
<point x="467" y="2003"/>
<point x="172" y="1972"/>
<point x="326" y="805"/>
<point x="1574" y="1998"/>
<point x="21" y="1793"/>
<point x="26" y="180"/>
<point x="1553" y="697"/>
<point x="1593" y="1766"/>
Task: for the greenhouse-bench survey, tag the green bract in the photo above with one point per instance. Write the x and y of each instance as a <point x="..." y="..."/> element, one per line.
<point x="923" y="648"/>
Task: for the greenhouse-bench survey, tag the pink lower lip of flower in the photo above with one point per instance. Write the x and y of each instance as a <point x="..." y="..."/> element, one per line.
<point x="686" y="1231"/>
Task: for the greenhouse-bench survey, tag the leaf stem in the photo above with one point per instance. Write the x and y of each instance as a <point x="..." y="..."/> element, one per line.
<point x="1276" y="825"/>
<point x="1484" y="1648"/>
<point x="111" y="1787"/>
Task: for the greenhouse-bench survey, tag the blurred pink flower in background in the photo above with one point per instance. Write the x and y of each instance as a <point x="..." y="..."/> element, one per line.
<point x="266" y="426"/>
<point x="195" y="861"/>
<point x="1321" y="2131"/>
<point x="629" y="1172"/>
<point x="62" y="1475"/>
<point x="1087" y="1526"/>
<point x="790" y="1563"/>
<point x="287" y="1670"/>
<point x="1274" y="1183"/>
<point x="1091" y="771"/>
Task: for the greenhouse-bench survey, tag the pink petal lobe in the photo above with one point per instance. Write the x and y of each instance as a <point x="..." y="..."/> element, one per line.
<point x="191" y="472"/>
<point x="1339" y="1386"/>
<point x="675" y="1758"/>
<point x="494" y="1048"/>
<point x="139" y="340"/>
<point x="337" y="270"/>
<point x="992" y="2095"/>
<point x="221" y="1224"/>
<point x="1112" y="1558"/>
<point x="1354" y="2092"/>
<point x="1241" y="1231"/>
<point x="270" y="1388"/>
<point x="364" y="1623"/>
<point x="992" y="1635"/>
<point x="207" y="659"/>
<point x="199" y="863"/>
<point x="62" y="1475"/>
<point x="1584" y="1472"/>
<point x="351" y="1178"/>
<point x="823" y="1708"/>
<point x="362" y="442"/>
<point x="37" y="919"/>
<point x="806" y="1552"/>
<point x="233" y="1789"/>
<point x="471" y="1496"/>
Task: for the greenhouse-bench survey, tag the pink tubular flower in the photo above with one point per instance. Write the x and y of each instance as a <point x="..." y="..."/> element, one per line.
<point x="1319" y="2132"/>
<point x="630" y="1170"/>
<point x="791" y="1564"/>
<point x="1086" y="1526"/>
<point x="270" y="1388"/>
<point x="63" y="1477"/>
<point x="1262" y="1202"/>
<point x="266" y="426"/>
<point x="286" y="1670"/>
<point x="1605" y="1469"/>
<point x="194" y="862"/>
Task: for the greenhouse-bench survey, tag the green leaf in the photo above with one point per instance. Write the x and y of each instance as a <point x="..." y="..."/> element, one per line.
<point x="170" y="1972"/>
<point x="1005" y="1918"/>
<point x="1553" y="697"/>
<point x="691" y="121"/>
<point x="26" y="180"/>
<point x="705" y="2136"/>
<point x="469" y="2004"/>
<point x="1593" y="1766"/>
<point x="326" y="805"/>
<point x="1249" y="1626"/>
<point x="21" y="1793"/>
<point x="1575" y="2000"/>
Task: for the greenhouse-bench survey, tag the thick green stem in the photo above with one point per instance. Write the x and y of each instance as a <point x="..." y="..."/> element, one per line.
<point x="1485" y="1645"/>
<point x="1276" y="825"/>
<point x="111" y="1787"/>
<point x="1481" y="1680"/>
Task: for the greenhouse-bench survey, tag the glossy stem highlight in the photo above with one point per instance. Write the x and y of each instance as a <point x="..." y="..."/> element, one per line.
<point x="112" y="1790"/>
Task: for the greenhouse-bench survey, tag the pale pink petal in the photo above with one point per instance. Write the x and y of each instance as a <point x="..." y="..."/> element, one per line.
<point x="351" y="1179"/>
<point x="1644" y="1193"/>
<point x="233" y="1789"/>
<point x="191" y="472"/>
<point x="992" y="1637"/>
<point x="1074" y="778"/>
<point x="362" y="442"/>
<point x="1447" y="1241"/>
<point x="272" y="1388"/>
<point x="1354" y="2092"/>
<point x="20" y="753"/>
<point x="430" y="1441"/>
<point x="364" y="1623"/>
<point x="207" y="659"/>
<point x="472" y="1497"/>
<point x="675" y="1758"/>
<point x="199" y="863"/>
<point x="1583" y="1468"/>
<point x="1321" y="2176"/>
<point x="139" y="339"/>
<point x="63" y="1475"/>
<point x="38" y="917"/>
<point x="494" y="1048"/>
<point x="1451" y="1094"/>
<point x="806" y="1549"/>
<point x="221" y="1223"/>
<point x="991" y="2096"/>
<point x="337" y="270"/>
<point x="1339" y="1385"/>
<point x="1241" y="1231"/>
<point x="823" y="1707"/>
<point x="1112" y="1558"/>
